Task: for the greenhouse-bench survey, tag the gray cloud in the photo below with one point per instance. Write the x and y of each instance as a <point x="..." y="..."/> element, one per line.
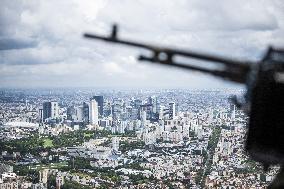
<point x="12" y="43"/>
<point x="42" y="44"/>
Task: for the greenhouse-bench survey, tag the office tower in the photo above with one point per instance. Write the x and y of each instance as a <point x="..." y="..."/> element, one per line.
<point x="210" y="115"/>
<point x="5" y="168"/>
<point x="71" y="114"/>
<point x="85" y="112"/>
<point x="161" y="111"/>
<point x="150" y="106"/>
<point x="115" y="143"/>
<point x="46" y="111"/>
<point x="128" y="112"/>
<point x="59" y="181"/>
<point x="176" y="109"/>
<point x="155" y="108"/>
<point x="172" y="110"/>
<point x="135" y="114"/>
<point x="232" y="111"/>
<point x="117" y="108"/>
<point x="137" y="103"/>
<point x="107" y="109"/>
<point x="43" y="176"/>
<point x="50" y="110"/>
<point x="79" y="111"/>
<point x="147" y="108"/>
<point x="121" y="126"/>
<point x="153" y="101"/>
<point x="94" y="112"/>
<point x="75" y="114"/>
<point x="143" y="117"/>
<point x="40" y="113"/>
<point x="100" y="101"/>
<point x="26" y="104"/>
<point x="54" y="110"/>
<point x="199" y="131"/>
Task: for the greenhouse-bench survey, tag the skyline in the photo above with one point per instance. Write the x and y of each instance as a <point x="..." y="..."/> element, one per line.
<point x="41" y="43"/>
<point x="159" y="139"/>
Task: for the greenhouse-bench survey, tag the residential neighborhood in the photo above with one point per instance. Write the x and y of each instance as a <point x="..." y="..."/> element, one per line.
<point x="138" y="139"/>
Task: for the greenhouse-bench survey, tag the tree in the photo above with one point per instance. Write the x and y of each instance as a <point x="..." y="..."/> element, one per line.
<point x="74" y="185"/>
<point x="51" y="182"/>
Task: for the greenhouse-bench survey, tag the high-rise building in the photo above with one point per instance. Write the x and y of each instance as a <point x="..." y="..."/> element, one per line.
<point x="154" y="102"/>
<point x="71" y="114"/>
<point x="176" y="109"/>
<point x="107" y="109"/>
<point x="143" y="118"/>
<point x="137" y="103"/>
<point x="172" y="110"/>
<point x="43" y="176"/>
<point x="100" y="101"/>
<point x="79" y="114"/>
<point x="135" y="114"/>
<point x="40" y="112"/>
<point x="50" y="110"/>
<point x="115" y="143"/>
<point x="153" y="108"/>
<point x="86" y="113"/>
<point x="5" y="168"/>
<point x="59" y="181"/>
<point x="54" y="110"/>
<point x="233" y="111"/>
<point x="75" y="114"/>
<point x="117" y="108"/>
<point x="161" y="111"/>
<point x="94" y="112"/>
<point x="46" y="110"/>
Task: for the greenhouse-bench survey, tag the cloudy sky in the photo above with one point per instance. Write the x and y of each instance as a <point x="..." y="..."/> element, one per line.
<point x="41" y="43"/>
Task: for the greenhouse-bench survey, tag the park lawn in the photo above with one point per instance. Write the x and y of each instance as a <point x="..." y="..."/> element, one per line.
<point x="82" y="175"/>
<point x="88" y="134"/>
<point x="50" y="166"/>
<point x="47" y="143"/>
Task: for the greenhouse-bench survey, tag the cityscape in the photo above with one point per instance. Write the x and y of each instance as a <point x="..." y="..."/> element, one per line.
<point x="103" y="138"/>
<point x="108" y="94"/>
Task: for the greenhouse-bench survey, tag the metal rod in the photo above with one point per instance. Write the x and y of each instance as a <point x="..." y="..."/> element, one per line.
<point x="234" y="70"/>
<point x="113" y="38"/>
<point x="238" y="77"/>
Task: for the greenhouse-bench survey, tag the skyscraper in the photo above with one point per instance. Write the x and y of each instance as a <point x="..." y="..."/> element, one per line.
<point x="50" y="110"/>
<point x="71" y="114"/>
<point x="94" y="112"/>
<point x="161" y="112"/>
<point x="115" y="143"/>
<point x="79" y="114"/>
<point x="172" y="110"/>
<point x="86" y="113"/>
<point x="154" y="102"/>
<point x="75" y="114"/>
<point x="100" y="101"/>
<point x="154" y="113"/>
<point x="40" y="112"/>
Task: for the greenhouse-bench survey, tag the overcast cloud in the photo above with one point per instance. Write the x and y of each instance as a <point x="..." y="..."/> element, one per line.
<point x="41" y="43"/>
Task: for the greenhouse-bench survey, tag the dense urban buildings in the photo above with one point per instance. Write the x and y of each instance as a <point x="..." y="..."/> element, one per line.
<point x="125" y="139"/>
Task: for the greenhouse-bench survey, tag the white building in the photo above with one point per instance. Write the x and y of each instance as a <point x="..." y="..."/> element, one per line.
<point x="54" y="110"/>
<point x="115" y="143"/>
<point x="94" y="112"/>
<point x="50" y="110"/>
